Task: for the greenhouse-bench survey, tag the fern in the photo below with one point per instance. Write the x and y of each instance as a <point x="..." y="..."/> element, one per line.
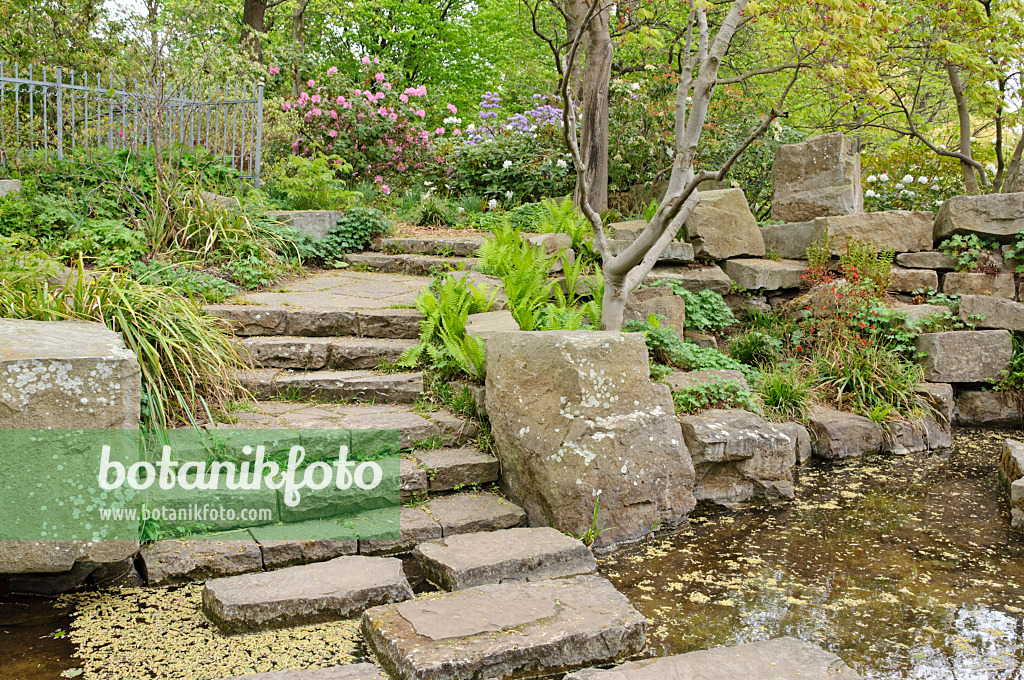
<point x="563" y="218"/>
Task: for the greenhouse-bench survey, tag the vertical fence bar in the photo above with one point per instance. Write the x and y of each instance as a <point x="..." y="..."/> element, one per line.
<point x="60" y="113"/>
<point x="3" y="128"/>
<point x="259" y="133"/>
<point x="17" y="111"/>
<point x="31" y="114"/>
<point x="46" y="116"/>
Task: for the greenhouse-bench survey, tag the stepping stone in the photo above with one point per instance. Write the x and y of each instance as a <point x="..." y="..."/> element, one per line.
<point x="414" y="265"/>
<point x="167" y="562"/>
<point x="345" y="353"/>
<point x="416" y="527"/>
<point x="537" y="554"/>
<point x="450" y="469"/>
<point x="401" y="388"/>
<point x="559" y="625"/>
<point x="466" y="513"/>
<point x="356" y="671"/>
<point x="285" y="545"/>
<point x="338" y="589"/>
<point x="784" y="658"/>
<point x="260" y="320"/>
<point x="461" y="247"/>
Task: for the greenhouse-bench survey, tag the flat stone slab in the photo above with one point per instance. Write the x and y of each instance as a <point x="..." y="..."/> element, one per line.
<point x="506" y="630"/>
<point x="784" y="658"/>
<point x="338" y="589"/>
<point x="399" y="388"/>
<point x="693" y="279"/>
<point x="913" y="280"/>
<point x="486" y="324"/>
<point x="411" y="265"/>
<point x="965" y="356"/>
<point x="415" y="527"/>
<point x="464" y="246"/>
<point x="928" y="259"/>
<point x="988" y="408"/>
<point x="466" y="513"/>
<point x="322" y="540"/>
<point x="356" y="671"/>
<point x="757" y="274"/>
<point x="524" y="554"/>
<point x="984" y="311"/>
<point x="448" y="469"/>
<point x="168" y="562"/>
<point x="979" y="283"/>
<point x="344" y="353"/>
<point x="792" y="239"/>
<point x="412" y="427"/>
<point x="676" y="251"/>
<point x="313" y="223"/>
<point x="998" y="216"/>
<point x="838" y="434"/>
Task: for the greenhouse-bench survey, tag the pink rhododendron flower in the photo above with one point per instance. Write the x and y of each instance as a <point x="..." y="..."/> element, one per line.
<point x="333" y="114"/>
<point x="393" y="116"/>
<point x="456" y="131"/>
<point x="332" y="70"/>
<point x="378" y="179"/>
<point x="439" y="131"/>
<point x="382" y="111"/>
<point x="317" y="99"/>
<point x="379" y="77"/>
<point x="404" y="98"/>
<point x="387" y="86"/>
<point x="303" y="96"/>
<point x="333" y="133"/>
<point x="451" y="107"/>
<point x="340" y="100"/>
<point x="310" y="82"/>
<point x="385" y="189"/>
<point x="421" y="113"/>
<point x="315" y="111"/>
<point x="347" y="105"/>
<point x="357" y="93"/>
<point x="365" y="60"/>
<point x="376" y="60"/>
<point x="286" y="106"/>
<point x="274" y="70"/>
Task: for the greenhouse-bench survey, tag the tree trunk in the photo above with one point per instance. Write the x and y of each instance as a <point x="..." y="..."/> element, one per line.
<point x="299" y="42"/>
<point x="254" y="24"/>
<point x="597" y="73"/>
<point x="964" y="117"/>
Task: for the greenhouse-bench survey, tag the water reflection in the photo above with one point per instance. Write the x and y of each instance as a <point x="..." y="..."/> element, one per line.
<point x="904" y="566"/>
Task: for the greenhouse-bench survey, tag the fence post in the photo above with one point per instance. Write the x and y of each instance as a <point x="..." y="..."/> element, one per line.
<point x="259" y="134"/>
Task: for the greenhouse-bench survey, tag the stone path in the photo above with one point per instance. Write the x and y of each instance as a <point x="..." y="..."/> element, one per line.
<point x="356" y="671"/>
<point x="505" y="630"/>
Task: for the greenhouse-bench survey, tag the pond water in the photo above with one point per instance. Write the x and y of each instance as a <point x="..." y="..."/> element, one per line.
<point x="905" y="566"/>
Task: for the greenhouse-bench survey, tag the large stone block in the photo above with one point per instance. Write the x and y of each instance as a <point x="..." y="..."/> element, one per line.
<point x="576" y="420"/>
<point x="65" y="375"/>
<point x="507" y="630"/>
<point x="738" y="456"/>
<point x="991" y="312"/>
<point x="903" y="231"/>
<point x="979" y="283"/>
<point x="768" y="275"/>
<point x="913" y="280"/>
<point x="357" y="671"/>
<point x="784" y="658"/>
<point x="940" y="396"/>
<point x="10" y="186"/>
<point x="1011" y="472"/>
<point x="660" y="300"/>
<point x="988" y="408"/>
<point x="838" y="434"/>
<point x="997" y="216"/>
<point x="314" y="223"/>
<point x="675" y="251"/>
<point x="792" y="239"/>
<point x="928" y="259"/>
<point x="722" y="226"/>
<point x="694" y="280"/>
<point x="816" y="178"/>
<point x="965" y="356"/>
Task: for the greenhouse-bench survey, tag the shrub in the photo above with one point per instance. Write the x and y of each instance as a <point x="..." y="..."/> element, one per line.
<point x="199" y="285"/>
<point x="819" y="261"/>
<point x="512" y="168"/>
<point x="524" y="217"/>
<point x="869" y="380"/>
<point x="755" y="348"/>
<point x="354" y="232"/>
<point x="104" y="242"/>
<point x="666" y="348"/>
<point x="864" y="262"/>
<point x="562" y="217"/>
<point x="431" y="211"/>
<point x="189" y="364"/>
<point x="309" y="183"/>
<point x="715" y="394"/>
<point x="893" y="178"/>
<point x="785" y="392"/>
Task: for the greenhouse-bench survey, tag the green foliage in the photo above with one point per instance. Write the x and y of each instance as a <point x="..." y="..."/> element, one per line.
<point x="189" y="364"/>
<point x="354" y="232"/>
<point x="871" y="381"/>
<point x="864" y="262"/>
<point x="755" y="348"/>
<point x="444" y="346"/>
<point x="969" y="250"/>
<point x="1013" y="379"/>
<point x="562" y="217"/>
<point x="819" y="260"/>
<point x="302" y="183"/>
<point x="785" y="392"/>
<point x="714" y="394"/>
<point x="512" y="169"/>
<point x="666" y="348"/>
<point x="706" y="311"/>
<point x="103" y="242"/>
<point x="1014" y="252"/>
<point x="431" y="211"/>
<point x="524" y="217"/>
<point x="200" y="285"/>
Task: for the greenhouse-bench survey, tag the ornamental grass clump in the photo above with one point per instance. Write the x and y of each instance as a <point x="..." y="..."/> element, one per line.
<point x="189" y="363"/>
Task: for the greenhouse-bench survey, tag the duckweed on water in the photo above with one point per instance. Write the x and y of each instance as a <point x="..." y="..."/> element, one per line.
<point x="136" y="634"/>
<point x="904" y="566"/>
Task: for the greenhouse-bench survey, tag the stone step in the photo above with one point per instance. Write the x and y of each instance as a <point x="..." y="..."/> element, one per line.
<point x="414" y="428"/>
<point x="356" y="671"/>
<point x="255" y="320"/>
<point x="552" y="626"/>
<point x="472" y="512"/>
<point x="168" y="562"/>
<point x="466" y="246"/>
<point x="331" y="385"/>
<point x="784" y="658"/>
<point x="415" y="265"/>
<point x="523" y="554"/>
<point x="344" y="353"/>
<point x="693" y="279"/>
<point x="768" y="275"/>
<point x="313" y="593"/>
<point x="440" y="470"/>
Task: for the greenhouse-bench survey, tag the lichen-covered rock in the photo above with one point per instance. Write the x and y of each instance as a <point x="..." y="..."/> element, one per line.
<point x="996" y="216"/>
<point x="837" y="434"/>
<point x="965" y="356"/>
<point x="978" y="283"/>
<point x="660" y="300"/>
<point x="722" y="226"/>
<point x="576" y="418"/>
<point x="940" y="396"/>
<point x="675" y="251"/>
<point x="694" y="280"/>
<point x="816" y="178"/>
<point x="928" y="259"/>
<point x="801" y="439"/>
<point x="10" y="186"/>
<point x="738" y="456"/>
<point x="903" y="231"/>
<point x="313" y="223"/>
<point x="984" y="311"/>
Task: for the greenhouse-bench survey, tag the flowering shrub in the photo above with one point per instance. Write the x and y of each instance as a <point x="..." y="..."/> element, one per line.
<point x="377" y="129"/>
<point x="909" y="177"/>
